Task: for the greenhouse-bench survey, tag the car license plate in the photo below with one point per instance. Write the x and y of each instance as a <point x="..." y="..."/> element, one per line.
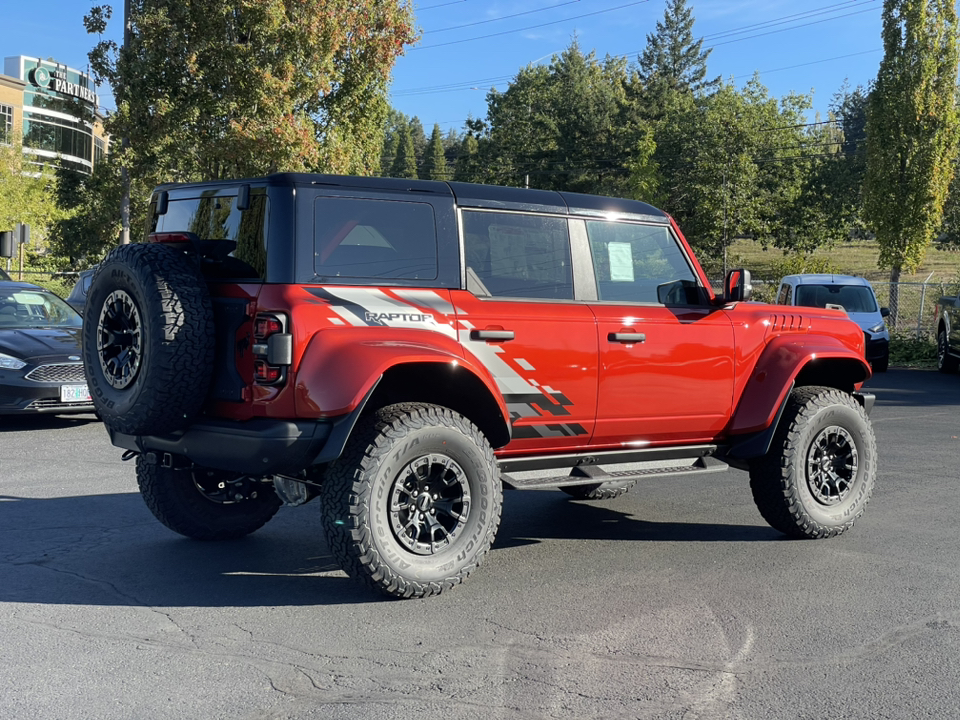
<point x="74" y="393"/>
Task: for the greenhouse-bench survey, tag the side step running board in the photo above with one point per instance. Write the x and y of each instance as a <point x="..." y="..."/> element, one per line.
<point x="591" y="475"/>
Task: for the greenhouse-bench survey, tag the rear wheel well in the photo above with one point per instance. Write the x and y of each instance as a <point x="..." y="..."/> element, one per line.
<point x="840" y="373"/>
<point x="447" y="385"/>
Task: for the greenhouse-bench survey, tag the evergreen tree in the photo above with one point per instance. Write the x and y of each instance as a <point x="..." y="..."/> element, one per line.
<point x="405" y="161"/>
<point x="419" y="138"/>
<point x="434" y="160"/>
<point x="392" y="125"/>
<point x="912" y="131"/>
<point x="672" y="60"/>
<point x="466" y="166"/>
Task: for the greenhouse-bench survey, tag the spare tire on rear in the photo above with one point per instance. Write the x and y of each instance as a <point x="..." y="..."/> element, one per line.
<point x="148" y="339"/>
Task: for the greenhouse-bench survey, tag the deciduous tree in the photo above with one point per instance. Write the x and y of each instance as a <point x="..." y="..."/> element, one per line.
<point x="912" y="131"/>
<point x="206" y="89"/>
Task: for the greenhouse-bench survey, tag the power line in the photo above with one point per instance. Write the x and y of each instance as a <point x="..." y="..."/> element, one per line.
<point x="815" y="62"/>
<point x="434" y="7"/>
<point x="474" y="84"/>
<point x="807" y="14"/>
<point x="498" y="19"/>
<point x="530" y="27"/>
<point x="794" y="27"/>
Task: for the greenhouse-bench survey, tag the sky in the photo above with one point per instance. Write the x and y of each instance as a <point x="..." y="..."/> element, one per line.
<point x="469" y="46"/>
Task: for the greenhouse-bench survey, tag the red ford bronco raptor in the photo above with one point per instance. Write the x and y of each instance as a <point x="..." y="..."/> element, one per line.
<point x="405" y="350"/>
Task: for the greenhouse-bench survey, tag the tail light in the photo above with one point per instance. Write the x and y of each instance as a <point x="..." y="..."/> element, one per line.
<point x="272" y="349"/>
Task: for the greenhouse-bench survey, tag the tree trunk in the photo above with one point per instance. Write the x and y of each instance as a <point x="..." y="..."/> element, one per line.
<point x="894" y="296"/>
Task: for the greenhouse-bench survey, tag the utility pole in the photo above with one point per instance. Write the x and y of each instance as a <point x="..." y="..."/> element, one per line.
<point x="125" y="143"/>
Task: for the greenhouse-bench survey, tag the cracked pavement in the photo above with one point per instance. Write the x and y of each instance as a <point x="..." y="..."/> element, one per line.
<point x="674" y="601"/>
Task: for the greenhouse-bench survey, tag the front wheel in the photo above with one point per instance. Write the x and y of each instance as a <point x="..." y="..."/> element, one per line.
<point x="206" y="504"/>
<point x="412" y="505"/>
<point x="819" y="473"/>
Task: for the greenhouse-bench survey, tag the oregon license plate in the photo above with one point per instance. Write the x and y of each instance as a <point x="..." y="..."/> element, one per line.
<point x="74" y="393"/>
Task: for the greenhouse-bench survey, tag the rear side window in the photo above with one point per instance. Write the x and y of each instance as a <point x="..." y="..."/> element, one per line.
<point x="213" y="217"/>
<point x="359" y="238"/>
<point x="516" y="255"/>
<point x="640" y="263"/>
<point x="786" y="295"/>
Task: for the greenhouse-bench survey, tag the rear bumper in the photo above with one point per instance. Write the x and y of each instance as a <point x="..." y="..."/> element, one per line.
<point x="255" y="447"/>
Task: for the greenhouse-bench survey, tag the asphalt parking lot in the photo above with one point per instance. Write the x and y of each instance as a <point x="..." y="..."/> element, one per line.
<point x="674" y="601"/>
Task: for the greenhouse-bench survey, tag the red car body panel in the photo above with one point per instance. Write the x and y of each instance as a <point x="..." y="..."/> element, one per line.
<point x="675" y="386"/>
<point x="547" y="373"/>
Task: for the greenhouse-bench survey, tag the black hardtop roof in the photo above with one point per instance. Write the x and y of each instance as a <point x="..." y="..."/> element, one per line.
<point x="465" y="194"/>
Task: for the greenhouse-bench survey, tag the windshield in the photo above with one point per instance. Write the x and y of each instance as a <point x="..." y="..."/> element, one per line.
<point x="852" y="298"/>
<point x="27" y="308"/>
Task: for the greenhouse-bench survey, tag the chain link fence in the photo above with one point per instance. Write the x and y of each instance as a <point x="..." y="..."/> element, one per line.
<point x="912" y="305"/>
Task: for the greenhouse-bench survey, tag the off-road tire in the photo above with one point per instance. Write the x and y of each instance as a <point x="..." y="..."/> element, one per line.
<point x="946" y="363"/>
<point x="176" y="499"/>
<point x="148" y="339"/>
<point x="373" y="494"/>
<point x="599" y="491"/>
<point x="820" y="471"/>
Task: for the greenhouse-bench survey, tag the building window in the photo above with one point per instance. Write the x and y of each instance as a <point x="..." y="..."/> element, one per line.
<point x="6" y="123"/>
<point x="99" y="149"/>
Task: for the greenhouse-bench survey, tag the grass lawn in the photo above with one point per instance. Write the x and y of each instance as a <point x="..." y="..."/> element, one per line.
<point x="849" y="258"/>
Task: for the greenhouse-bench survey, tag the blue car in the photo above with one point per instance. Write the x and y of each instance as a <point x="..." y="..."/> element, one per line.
<point x="40" y="364"/>
<point x="855" y="295"/>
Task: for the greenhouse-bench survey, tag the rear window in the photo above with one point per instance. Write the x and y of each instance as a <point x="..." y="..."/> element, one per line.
<point x="360" y="238"/>
<point x="213" y="217"/>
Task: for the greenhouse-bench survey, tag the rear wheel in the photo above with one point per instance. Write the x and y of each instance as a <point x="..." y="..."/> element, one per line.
<point x="820" y="471"/>
<point x="148" y="339"/>
<point x="206" y="504"/>
<point x="412" y="505"/>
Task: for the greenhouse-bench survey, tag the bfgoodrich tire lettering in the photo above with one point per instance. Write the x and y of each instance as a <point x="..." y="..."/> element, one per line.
<point x="413" y="504"/>
<point x="206" y="504"/>
<point x="148" y="339"/>
<point x="820" y="471"/>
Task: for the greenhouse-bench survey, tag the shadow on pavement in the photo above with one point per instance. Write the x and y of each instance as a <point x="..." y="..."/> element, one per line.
<point x="22" y="423"/>
<point x="902" y="387"/>
<point x="109" y="550"/>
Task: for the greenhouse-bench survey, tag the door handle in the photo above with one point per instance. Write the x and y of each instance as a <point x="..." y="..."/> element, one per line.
<point x="491" y="335"/>
<point x="622" y="337"/>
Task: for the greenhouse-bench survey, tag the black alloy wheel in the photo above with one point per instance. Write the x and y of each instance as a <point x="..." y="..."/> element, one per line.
<point x="429" y="504"/>
<point x="119" y="339"/>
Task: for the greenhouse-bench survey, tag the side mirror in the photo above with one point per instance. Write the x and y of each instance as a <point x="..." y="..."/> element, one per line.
<point x="884" y="312"/>
<point x="737" y="287"/>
